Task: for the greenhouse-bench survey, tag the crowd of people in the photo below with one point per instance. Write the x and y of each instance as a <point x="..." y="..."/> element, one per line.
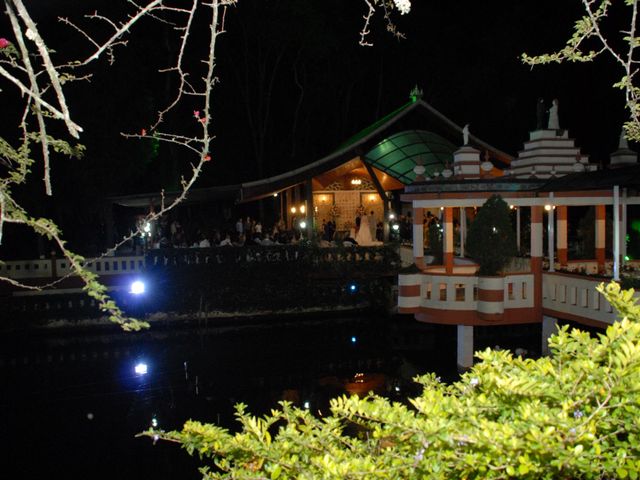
<point x="249" y="231"/>
<point x="246" y="231"/>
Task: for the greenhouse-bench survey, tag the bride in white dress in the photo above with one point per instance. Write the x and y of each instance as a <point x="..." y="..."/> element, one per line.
<point x="363" y="237"/>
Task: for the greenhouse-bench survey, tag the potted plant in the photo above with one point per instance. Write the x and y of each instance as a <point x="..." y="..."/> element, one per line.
<point x="491" y="243"/>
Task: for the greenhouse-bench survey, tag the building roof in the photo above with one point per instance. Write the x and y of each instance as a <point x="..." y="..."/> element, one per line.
<point x="375" y="141"/>
<point x="195" y="195"/>
<point x="597" y="180"/>
<point x="398" y="154"/>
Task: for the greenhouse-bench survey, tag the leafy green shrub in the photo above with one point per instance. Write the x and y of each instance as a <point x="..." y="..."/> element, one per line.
<point x="575" y="414"/>
<point x="491" y="240"/>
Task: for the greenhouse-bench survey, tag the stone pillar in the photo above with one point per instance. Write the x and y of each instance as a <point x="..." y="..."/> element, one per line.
<point x="386" y="228"/>
<point x="465" y="347"/>
<point x="418" y="236"/>
<point x="536" y="259"/>
<point x="310" y="209"/>
<point x="600" y="236"/>
<point x="549" y="327"/>
<point x="289" y="203"/>
<point x="561" y="235"/>
<point x="447" y="243"/>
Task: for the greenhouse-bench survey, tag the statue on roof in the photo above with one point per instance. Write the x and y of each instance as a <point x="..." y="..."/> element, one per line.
<point x="540" y="114"/>
<point x="554" y="121"/>
<point x="465" y="134"/>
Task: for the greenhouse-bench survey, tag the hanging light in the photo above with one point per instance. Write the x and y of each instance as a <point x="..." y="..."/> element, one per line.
<point x="293" y="210"/>
<point x="302" y="208"/>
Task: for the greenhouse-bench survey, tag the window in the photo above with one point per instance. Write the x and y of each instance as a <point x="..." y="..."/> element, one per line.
<point x="460" y="294"/>
<point x="443" y="292"/>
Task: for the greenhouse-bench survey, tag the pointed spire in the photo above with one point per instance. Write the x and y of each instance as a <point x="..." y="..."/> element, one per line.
<point x="622" y="143"/>
<point x="416" y="94"/>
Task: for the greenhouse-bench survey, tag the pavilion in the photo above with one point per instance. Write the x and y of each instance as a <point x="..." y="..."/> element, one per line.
<point x="547" y="178"/>
<point x="363" y="173"/>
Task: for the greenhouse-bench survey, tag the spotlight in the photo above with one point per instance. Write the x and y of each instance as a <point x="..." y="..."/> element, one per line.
<point x="137" y="287"/>
<point x="353" y="288"/>
<point x="396" y="227"/>
<point x="303" y="224"/>
<point x="141" y="369"/>
<point x="354" y="339"/>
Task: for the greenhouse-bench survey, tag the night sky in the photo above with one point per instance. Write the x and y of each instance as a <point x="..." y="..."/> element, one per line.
<point x="294" y="84"/>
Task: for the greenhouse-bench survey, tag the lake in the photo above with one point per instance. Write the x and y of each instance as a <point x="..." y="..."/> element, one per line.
<point x="73" y="401"/>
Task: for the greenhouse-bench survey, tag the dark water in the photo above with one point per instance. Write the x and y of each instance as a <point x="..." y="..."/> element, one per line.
<point x="72" y="403"/>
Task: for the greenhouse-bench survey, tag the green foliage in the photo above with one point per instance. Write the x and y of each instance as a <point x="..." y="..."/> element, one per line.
<point x="491" y="239"/>
<point x="575" y="414"/>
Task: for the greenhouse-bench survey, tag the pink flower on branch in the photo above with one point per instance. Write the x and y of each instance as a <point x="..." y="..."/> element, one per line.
<point x="4" y="43"/>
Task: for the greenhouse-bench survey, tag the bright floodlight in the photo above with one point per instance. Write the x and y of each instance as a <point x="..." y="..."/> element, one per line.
<point x="303" y="224"/>
<point x="141" y="369"/>
<point x="137" y="287"/>
<point x="354" y="339"/>
<point x="396" y="227"/>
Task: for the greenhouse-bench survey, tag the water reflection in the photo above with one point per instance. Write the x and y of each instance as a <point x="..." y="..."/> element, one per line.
<point x="74" y="402"/>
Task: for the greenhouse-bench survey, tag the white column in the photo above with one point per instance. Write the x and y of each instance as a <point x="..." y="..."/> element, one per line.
<point x="623" y="227"/>
<point x="518" y="228"/>
<point x="616" y="233"/>
<point x="551" y="247"/>
<point x="463" y="229"/>
<point x="465" y="347"/>
<point x="549" y="327"/>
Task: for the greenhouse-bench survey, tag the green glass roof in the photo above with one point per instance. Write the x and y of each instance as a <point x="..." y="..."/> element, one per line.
<point x="398" y="154"/>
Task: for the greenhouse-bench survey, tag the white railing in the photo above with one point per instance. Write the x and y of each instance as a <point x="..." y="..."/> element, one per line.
<point x="106" y="265"/>
<point x="460" y="292"/>
<point x="23" y="269"/>
<point x="576" y="297"/>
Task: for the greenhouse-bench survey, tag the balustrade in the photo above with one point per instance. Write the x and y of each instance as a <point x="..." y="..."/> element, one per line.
<point x="575" y="297"/>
